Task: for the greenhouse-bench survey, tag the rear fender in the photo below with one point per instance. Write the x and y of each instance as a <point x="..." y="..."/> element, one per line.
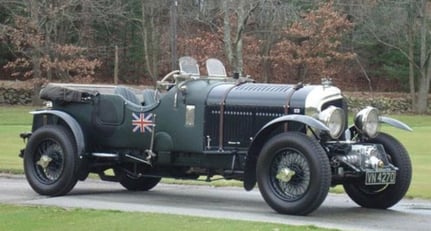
<point x="70" y="122"/>
<point x="263" y="135"/>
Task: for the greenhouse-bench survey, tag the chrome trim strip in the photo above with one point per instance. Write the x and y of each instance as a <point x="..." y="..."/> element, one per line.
<point x="104" y="155"/>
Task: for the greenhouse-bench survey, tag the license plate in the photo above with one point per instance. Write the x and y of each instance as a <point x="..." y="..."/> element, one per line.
<point x="379" y="178"/>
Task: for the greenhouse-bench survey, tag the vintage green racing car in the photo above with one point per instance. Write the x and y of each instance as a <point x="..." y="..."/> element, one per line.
<point x="293" y="141"/>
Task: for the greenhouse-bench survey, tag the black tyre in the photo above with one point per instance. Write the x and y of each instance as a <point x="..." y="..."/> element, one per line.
<point x="384" y="196"/>
<point x="293" y="173"/>
<point x="136" y="183"/>
<point x="51" y="161"/>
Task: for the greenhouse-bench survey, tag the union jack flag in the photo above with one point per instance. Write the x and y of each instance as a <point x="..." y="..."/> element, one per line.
<point x="142" y="122"/>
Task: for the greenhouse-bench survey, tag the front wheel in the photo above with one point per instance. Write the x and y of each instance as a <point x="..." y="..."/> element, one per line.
<point x="50" y="161"/>
<point x="384" y="196"/>
<point x="293" y="173"/>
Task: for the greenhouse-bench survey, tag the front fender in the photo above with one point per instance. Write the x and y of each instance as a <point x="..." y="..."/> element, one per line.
<point x="73" y="125"/>
<point x="307" y="120"/>
<point x="395" y="123"/>
<point x="262" y="136"/>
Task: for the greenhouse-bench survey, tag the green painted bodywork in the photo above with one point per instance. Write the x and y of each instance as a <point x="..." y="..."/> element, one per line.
<point x="183" y="123"/>
<point x="171" y="116"/>
<point x="201" y="126"/>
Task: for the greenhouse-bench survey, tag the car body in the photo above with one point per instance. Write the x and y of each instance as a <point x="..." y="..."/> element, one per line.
<point x="294" y="141"/>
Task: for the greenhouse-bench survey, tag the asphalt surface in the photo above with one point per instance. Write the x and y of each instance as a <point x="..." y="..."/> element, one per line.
<point x="338" y="211"/>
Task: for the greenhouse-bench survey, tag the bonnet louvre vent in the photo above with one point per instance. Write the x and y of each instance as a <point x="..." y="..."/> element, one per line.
<point x="263" y="88"/>
<point x="250" y="94"/>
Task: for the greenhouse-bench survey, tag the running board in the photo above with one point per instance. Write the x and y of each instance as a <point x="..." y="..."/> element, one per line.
<point x="117" y="156"/>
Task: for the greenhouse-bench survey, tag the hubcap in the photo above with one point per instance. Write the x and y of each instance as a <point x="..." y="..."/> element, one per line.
<point x="290" y="175"/>
<point x="285" y="175"/>
<point x="49" y="161"/>
<point x="44" y="161"/>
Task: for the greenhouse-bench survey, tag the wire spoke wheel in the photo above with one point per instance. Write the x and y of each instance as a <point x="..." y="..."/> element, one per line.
<point x="136" y="183"/>
<point x="50" y="161"/>
<point x="290" y="175"/>
<point x="384" y="196"/>
<point x="293" y="173"/>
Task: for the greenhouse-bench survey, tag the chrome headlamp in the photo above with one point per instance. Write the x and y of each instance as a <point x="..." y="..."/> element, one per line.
<point x="367" y="121"/>
<point x="333" y="117"/>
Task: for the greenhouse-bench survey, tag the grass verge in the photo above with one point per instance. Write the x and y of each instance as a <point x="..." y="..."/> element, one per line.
<point x="15" y="217"/>
<point x="13" y="120"/>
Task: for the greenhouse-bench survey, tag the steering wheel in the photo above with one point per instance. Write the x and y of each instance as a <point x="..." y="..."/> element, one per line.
<point x="176" y="75"/>
<point x="167" y="76"/>
<point x="164" y="82"/>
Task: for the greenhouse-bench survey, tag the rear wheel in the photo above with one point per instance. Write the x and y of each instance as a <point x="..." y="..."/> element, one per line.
<point x="133" y="183"/>
<point x="293" y="173"/>
<point x="50" y="161"/>
<point x="384" y="196"/>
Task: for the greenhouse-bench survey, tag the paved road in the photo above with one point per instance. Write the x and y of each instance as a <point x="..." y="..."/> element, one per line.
<point x="338" y="211"/>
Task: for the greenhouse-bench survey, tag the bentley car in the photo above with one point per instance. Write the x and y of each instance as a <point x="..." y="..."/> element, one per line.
<point x="293" y="141"/>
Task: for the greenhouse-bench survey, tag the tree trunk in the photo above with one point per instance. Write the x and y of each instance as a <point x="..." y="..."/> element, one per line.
<point x="151" y="37"/>
<point x="155" y="51"/>
<point x="234" y="47"/>
<point x="411" y="53"/>
<point x="266" y="62"/>
<point x="35" y="56"/>
<point x="423" y="91"/>
<point x="227" y="33"/>
<point x="146" y="31"/>
<point x="85" y="31"/>
<point x="425" y="70"/>
<point x="238" y="42"/>
<point x="412" y="72"/>
<point x="173" y="23"/>
<point x="116" y="65"/>
<point x="49" y="56"/>
<point x="268" y="41"/>
<point x="239" y="57"/>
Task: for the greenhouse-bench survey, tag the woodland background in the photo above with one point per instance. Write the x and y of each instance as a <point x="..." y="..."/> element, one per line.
<point x="362" y="45"/>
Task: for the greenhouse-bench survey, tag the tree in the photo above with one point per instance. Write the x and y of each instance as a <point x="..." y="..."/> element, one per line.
<point x="268" y="18"/>
<point x="76" y="25"/>
<point x="405" y="28"/>
<point x="151" y="35"/>
<point x="32" y="61"/>
<point x="312" y="44"/>
<point x="217" y="26"/>
<point x="425" y="62"/>
<point x="238" y="12"/>
<point x="203" y="45"/>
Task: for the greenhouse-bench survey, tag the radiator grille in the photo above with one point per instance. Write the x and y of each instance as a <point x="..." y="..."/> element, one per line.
<point x="240" y="124"/>
<point x="243" y="122"/>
